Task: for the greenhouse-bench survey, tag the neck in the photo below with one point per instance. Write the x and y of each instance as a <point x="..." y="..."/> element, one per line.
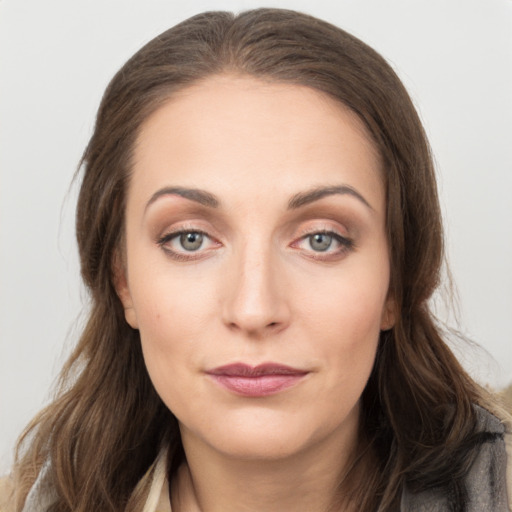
<point x="308" y="481"/>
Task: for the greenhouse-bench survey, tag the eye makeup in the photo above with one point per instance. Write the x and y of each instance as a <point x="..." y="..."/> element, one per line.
<point x="324" y="231"/>
<point x="187" y="243"/>
<point x="323" y="244"/>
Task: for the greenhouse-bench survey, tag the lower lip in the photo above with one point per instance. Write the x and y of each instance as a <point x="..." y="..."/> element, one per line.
<point x="262" y="385"/>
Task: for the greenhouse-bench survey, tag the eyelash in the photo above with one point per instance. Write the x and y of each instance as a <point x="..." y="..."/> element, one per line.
<point x="186" y="255"/>
<point x="345" y="245"/>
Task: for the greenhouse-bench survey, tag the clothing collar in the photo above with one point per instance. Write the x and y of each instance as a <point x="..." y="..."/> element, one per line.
<point x="158" y="497"/>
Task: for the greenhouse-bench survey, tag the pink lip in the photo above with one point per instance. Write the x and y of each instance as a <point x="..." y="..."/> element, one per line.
<point x="262" y="380"/>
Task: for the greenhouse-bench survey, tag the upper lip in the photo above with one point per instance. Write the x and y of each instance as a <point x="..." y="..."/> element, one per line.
<point x="245" y="370"/>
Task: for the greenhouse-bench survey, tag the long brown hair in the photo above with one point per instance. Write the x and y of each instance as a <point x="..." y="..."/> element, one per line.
<point x="103" y="431"/>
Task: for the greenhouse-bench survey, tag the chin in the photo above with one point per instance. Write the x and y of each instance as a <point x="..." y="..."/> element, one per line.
<point x="262" y="446"/>
<point x="264" y="435"/>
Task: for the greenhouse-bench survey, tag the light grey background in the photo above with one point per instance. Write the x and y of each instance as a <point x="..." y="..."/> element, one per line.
<point x="57" y="56"/>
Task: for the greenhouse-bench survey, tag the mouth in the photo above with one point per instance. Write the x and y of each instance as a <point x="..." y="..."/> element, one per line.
<point x="256" y="381"/>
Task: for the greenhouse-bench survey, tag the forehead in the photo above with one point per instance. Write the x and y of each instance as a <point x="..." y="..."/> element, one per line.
<point x="235" y="132"/>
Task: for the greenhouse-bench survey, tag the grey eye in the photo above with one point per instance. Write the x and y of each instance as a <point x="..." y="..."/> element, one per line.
<point x="320" y="241"/>
<point x="191" y="241"/>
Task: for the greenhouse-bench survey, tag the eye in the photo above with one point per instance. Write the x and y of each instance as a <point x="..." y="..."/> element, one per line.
<point x="320" y="241"/>
<point x="323" y="244"/>
<point x="191" y="241"/>
<point x="186" y="245"/>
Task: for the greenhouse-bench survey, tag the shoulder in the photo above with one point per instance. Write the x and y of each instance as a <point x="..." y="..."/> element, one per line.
<point x="508" y="450"/>
<point x="6" y="491"/>
<point x="488" y="482"/>
<point x="503" y="428"/>
<point x="489" y="479"/>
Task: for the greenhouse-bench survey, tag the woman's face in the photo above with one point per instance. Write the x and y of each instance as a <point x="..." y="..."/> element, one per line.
<point x="256" y="265"/>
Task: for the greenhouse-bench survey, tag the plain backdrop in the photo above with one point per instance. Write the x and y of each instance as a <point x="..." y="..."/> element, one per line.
<point x="57" y="56"/>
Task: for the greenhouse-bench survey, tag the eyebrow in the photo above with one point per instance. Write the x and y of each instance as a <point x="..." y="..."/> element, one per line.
<point x="310" y="196"/>
<point x="193" y="194"/>
<point x="297" y="201"/>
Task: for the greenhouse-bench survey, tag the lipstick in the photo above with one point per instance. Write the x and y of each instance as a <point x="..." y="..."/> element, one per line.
<point x="258" y="381"/>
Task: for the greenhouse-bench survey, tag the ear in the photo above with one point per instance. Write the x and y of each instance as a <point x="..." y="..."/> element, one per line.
<point x="123" y="290"/>
<point x="388" y="317"/>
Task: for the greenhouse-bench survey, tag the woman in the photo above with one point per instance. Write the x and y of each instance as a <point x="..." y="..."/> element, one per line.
<point x="260" y="233"/>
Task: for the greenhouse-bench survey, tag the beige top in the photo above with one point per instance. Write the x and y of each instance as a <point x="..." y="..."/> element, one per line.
<point x="158" y="498"/>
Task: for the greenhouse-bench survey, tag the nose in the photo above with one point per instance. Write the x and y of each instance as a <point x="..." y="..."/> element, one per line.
<point x="255" y="295"/>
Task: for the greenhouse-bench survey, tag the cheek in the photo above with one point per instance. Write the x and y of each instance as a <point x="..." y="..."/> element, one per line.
<point x="172" y="305"/>
<point x="343" y="318"/>
<point x="174" y="317"/>
<point x="347" y="307"/>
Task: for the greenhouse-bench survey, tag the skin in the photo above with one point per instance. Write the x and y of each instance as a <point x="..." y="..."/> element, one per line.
<point x="258" y="289"/>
